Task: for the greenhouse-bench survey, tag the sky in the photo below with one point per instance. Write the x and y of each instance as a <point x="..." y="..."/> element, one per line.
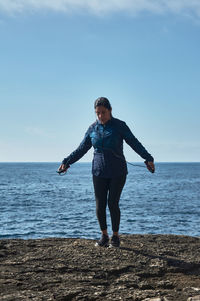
<point x="58" y="56"/>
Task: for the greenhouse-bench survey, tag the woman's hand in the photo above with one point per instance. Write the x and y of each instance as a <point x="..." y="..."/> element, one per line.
<point x="62" y="168"/>
<point x="150" y="166"/>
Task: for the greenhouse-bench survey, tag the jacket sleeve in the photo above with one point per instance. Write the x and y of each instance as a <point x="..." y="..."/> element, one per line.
<point x="84" y="146"/>
<point x="133" y="142"/>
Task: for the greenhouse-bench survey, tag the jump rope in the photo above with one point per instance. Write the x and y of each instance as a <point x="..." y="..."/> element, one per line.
<point x="64" y="171"/>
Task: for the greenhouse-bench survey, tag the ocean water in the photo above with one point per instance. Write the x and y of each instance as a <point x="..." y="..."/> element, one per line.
<point x="35" y="202"/>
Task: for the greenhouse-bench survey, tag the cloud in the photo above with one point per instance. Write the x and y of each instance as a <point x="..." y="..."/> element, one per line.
<point x="98" y="7"/>
<point x="39" y="132"/>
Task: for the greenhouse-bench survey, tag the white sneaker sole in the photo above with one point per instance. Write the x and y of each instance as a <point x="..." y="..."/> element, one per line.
<point x="97" y="245"/>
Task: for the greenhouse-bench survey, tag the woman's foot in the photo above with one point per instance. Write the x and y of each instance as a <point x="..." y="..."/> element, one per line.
<point x="115" y="242"/>
<point x="103" y="242"/>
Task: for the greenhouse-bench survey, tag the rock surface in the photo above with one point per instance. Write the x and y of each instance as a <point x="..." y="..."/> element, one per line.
<point x="146" y="267"/>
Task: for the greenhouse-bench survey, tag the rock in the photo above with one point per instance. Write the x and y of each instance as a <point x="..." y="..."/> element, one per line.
<point x="146" y="267"/>
<point x="195" y="298"/>
<point x="153" y="299"/>
<point x="157" y="299"/>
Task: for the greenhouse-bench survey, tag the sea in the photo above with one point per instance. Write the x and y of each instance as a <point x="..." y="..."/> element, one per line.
<point x="36" y="202"/>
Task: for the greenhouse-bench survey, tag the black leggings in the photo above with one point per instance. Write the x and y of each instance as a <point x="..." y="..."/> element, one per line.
<point x="108" y="190"/>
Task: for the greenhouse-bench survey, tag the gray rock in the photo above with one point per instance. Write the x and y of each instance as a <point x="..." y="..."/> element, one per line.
<point x="146" y="267"/>
<point x="195" y="298"/>
<point x="157" y="299"/>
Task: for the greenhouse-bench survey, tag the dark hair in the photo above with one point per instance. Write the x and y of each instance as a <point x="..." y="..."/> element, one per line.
<point x="102" y="101"/>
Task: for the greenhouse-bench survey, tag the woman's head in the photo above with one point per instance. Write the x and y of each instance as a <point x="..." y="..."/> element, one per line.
<point x="103" y="109"/>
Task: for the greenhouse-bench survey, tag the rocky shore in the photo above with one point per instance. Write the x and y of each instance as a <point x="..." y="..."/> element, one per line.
<point x="146" y="267"/>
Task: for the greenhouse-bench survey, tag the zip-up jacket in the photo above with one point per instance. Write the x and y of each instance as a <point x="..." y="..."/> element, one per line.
<point x="107" y="140"/>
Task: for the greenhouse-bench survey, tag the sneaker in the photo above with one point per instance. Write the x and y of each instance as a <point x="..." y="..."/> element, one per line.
<point x="103" y="242"/>
<point x="115" y="242"/>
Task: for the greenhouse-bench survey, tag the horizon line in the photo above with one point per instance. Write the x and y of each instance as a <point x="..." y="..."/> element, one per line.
<point x="58" y="162"/>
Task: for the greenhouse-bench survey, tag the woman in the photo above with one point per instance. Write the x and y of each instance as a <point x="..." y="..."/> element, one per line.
<point x="109" y="167"/>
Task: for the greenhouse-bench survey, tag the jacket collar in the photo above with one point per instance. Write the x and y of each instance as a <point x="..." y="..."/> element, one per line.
<point x="107" y="123"/>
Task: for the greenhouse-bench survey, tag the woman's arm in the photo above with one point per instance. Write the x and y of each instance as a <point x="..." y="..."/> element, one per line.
<point x="84" y="146"/>
<point x="137" y="146"/>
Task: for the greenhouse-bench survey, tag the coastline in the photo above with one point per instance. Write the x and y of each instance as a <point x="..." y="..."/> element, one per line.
<point x="146" y="267"/>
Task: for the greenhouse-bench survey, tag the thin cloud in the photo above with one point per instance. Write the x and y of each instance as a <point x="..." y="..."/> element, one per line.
<point x="98" y="7"/>
<point x="36" y="131"/>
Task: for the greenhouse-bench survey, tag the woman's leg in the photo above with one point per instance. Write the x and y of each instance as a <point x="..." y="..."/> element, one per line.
<point x="115" y="188"/>
<point x="101" y="186"/>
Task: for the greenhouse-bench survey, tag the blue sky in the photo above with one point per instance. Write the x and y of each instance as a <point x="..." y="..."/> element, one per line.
<point x="57" y="57"/>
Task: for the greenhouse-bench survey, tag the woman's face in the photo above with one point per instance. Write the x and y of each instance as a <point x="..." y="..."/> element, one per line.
<point x="103" y="114"/>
